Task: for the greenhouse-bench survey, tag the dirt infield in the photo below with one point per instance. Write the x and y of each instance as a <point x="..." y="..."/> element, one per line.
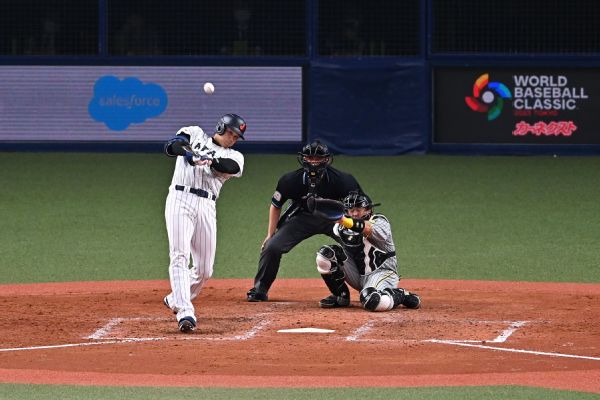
<point x="467" y="333"/>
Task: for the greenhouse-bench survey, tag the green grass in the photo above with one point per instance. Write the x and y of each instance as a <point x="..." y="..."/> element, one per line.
<point x="78" y="216"/>
<point x="70" y="217"/>
<point x="33" y="392"/>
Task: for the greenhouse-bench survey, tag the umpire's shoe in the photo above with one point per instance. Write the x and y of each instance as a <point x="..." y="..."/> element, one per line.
<point x="334" y="301"/>
<point x="256" y="296"/>
<point x="187" y="324"/>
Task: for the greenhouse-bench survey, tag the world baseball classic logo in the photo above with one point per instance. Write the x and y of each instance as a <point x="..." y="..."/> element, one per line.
<point x="488" y="97"/>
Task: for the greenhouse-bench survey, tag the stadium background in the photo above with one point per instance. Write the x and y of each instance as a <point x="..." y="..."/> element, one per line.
<point x="494" y="218"/>
<point x="374" y="76"/>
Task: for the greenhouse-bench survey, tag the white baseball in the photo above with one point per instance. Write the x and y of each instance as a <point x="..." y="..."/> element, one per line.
<point x="209" y="88"/>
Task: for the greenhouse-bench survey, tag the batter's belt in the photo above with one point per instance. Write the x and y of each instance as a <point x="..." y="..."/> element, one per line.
<point x="197" y="192"/>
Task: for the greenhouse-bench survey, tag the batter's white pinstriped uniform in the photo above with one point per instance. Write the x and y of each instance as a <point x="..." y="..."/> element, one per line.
<point x="191" y="220"/>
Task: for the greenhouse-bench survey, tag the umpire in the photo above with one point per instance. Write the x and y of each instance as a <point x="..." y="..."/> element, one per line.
<point x="316" y="178"/>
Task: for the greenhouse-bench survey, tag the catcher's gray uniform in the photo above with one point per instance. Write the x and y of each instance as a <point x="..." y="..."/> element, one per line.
<point x="366" y="263"/>
<point x="372" y="263"/>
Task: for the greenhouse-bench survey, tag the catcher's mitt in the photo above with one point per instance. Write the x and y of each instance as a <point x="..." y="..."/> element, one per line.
<point x="329" y="209"/>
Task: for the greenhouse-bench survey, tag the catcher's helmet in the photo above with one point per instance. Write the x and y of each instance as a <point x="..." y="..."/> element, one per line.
<point x="356" y="199"/>
<point x="233" y="122"/>
<point x="315" y="157"/>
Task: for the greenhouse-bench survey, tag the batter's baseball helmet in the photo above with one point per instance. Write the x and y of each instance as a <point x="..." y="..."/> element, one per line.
<point x="315" y="156"/>
<point x="233" y="122"/>
<point x="356" y="199"/>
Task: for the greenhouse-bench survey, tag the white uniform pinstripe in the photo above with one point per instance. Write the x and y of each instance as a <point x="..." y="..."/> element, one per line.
<point x="192" y="222"/>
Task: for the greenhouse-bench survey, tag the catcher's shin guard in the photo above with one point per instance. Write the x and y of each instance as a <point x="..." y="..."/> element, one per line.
<point x="328" y="259"/>
<point x="370" y="298"/>
<point x="397" y="295"/>
<point x="337" y="286"/>
<point x="404" y="297"/>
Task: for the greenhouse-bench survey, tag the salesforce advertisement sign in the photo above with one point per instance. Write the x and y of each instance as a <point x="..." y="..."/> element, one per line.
<point x="516" y="105"/>
<point x="42" y="103"/>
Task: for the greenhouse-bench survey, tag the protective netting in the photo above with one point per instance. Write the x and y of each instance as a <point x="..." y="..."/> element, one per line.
<point x="516" y="26"/>
<point x="48" y="27"/>
<point x="368" y="28"/>
<point x="194" y="27"/>
<point x="279" y="28"/>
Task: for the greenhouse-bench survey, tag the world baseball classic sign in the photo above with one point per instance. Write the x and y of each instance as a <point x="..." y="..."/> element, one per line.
<point x="516" y="105"/>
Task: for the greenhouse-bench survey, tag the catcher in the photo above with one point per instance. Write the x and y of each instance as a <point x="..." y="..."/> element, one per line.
<point x="366" y="260"/>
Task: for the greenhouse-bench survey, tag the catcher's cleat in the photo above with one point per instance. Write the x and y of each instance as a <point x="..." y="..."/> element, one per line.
<point x="333" y="301"/>
<point x="411" y="300"/>
<point x="255" y="296"/>
<point x="187" y="324"/>
<point x="166" y="303"/>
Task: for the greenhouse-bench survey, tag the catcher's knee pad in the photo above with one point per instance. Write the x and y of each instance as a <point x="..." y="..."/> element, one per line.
<point x="374" y="300"/>
<point x="329" y="258"/>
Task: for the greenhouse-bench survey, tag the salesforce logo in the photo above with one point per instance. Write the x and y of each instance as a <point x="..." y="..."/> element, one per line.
<point x="119" y="103"/>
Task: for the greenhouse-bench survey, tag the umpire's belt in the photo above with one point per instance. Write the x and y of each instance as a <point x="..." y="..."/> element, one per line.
<point x="197" y="192"/>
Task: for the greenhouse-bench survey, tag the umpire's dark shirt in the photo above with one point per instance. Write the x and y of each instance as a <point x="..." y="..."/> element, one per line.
<point x="294" y="185"/>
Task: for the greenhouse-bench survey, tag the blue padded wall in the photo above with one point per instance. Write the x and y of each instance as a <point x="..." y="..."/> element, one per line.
<point x="369" y="109"/>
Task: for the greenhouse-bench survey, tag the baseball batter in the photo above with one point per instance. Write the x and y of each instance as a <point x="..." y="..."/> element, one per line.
<point x="203" y="164"/>
<point x="366" y="260"/>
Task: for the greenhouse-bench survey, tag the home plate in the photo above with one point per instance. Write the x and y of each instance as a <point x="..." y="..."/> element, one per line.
<point x="305" y="330"/>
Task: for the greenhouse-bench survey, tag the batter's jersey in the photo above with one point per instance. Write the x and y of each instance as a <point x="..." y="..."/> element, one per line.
<point x="373" y="252"/>
<point x="204" y="177"/>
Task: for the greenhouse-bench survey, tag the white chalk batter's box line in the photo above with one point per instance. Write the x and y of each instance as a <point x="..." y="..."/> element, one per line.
<point x="98" y="336"/>
<point x="104" y="332"/>
<point x="359" y="334"/>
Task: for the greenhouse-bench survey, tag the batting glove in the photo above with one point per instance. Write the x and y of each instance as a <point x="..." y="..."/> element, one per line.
<point x="202" y="160"/>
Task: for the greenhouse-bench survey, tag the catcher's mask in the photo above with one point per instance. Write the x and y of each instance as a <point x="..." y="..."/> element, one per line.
<point x="356" y="199"/>
<point x="315" y="157"/>
<point x="233" y="122"/>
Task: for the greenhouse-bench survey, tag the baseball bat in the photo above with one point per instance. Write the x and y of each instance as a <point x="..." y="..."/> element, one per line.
<point x="188" y="147"/>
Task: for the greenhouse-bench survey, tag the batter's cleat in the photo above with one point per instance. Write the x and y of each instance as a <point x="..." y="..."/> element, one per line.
<point x="187" y="324"/>
<point x="334" y="301"/>
<point x="256" y="296"/>
<point x="411" y="300"/>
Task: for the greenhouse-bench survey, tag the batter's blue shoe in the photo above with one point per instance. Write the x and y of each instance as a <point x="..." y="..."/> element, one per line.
<point x="187" y="324"/>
